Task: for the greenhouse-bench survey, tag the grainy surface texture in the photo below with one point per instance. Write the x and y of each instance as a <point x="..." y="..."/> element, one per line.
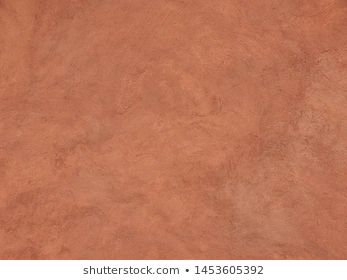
<point x="173" y="129"/>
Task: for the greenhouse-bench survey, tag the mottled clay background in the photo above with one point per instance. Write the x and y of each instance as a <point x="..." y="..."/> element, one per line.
<point x="173" y="129"/>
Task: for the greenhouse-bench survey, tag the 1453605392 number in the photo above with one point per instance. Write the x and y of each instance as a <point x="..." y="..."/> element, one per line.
<point x="239" y="269"/>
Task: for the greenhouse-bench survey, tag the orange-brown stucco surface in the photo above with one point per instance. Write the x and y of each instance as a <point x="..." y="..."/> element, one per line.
<point x="173" y="129"/>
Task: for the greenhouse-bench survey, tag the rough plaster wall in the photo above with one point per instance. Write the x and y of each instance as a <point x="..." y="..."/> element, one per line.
<point x="173" y="129"/>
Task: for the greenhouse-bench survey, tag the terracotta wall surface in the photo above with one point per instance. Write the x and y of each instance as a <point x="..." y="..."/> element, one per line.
<point x="173" y="129"/>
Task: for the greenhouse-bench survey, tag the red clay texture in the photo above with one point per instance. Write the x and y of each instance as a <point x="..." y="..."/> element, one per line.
<point x="173" y="129"/>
